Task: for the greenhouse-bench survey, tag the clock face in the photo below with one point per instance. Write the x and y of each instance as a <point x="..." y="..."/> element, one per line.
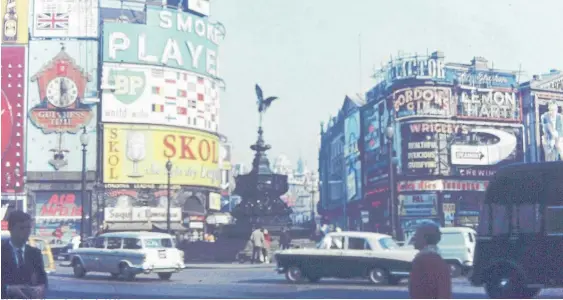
<point x="62" y="92"/>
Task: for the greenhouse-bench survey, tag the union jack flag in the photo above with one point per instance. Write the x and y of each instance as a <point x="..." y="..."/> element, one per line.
<point x="53" y="21"/>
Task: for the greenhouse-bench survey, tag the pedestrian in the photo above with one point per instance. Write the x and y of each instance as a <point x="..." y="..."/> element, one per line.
<point x="285" y="239"/>
<point x="266" y="248"/>
<point x="23" y="270"/>
<point x="257" y="240"/>
<point x="430" y="276"/>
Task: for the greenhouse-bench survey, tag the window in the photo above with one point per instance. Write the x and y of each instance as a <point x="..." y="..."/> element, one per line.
<point x="131" y="243"/>
<point x="554" y="220"/>
<point x="159" y="243"/>
<point x="358" y="244"/>
<point x="388" y="243"/>
<point x="526" y="219"/>
<point x="470" y="236"/>
<point x="114" y="243"/>
<point x="99" y="243"/>
<point x="452" y="239"/>
<point x="499" y="220"/>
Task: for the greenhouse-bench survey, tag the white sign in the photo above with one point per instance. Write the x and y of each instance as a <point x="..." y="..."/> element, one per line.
<point x="199" y="6"/>
<point x="196" y="225"/>
<point x="484" y="155"/>
<point x="214" y="201"/>
<point x="142" y="214"/>
<point x="418" y="205"/>
<point x="365" y="216"/>
<point x="489" y="104"/>
<point x="442" y="185"/>
<point x="65" y="18"/>
<point x="417" y="67"/>
<point x="161" y="96"/>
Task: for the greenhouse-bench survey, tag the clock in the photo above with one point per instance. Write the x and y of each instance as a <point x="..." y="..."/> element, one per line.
<point x="62" y="92"/>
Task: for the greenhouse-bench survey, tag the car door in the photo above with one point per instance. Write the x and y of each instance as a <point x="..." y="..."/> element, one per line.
<point x="326" y="260"/>
<point x="113" y="255"/>
<point x="92" y="257"/>
<point x="356" y="256"/>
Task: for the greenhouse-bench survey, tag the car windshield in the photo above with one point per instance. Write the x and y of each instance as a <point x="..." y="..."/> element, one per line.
<point x="388" y="243"/>
<point x="159" y="243"/>
<point x="452" y="239"/>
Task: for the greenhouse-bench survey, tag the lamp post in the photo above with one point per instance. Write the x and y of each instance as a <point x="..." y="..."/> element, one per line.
<point x="312" y="189"/>
<point x="390" y="132"/>
<point x="168" y="169"/>
<point x="84" y="142"/>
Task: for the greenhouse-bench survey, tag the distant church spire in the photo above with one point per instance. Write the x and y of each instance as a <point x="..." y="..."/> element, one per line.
<point x="300" y="166"/>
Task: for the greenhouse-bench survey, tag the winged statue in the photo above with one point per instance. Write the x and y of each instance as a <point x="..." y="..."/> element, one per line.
<point x="263" y="104"/>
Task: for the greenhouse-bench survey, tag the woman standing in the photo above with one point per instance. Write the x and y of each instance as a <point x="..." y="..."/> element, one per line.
<point x="267" y="243"/>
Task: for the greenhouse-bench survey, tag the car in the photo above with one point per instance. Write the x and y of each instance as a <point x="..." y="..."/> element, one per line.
<point x="127" y="254"/>
<point x="457" y="248"/>
<point x="348" y="254"/>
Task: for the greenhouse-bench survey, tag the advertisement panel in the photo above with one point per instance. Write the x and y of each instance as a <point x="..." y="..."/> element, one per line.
<point x="177" y="40"/>
<point x="137" y="154"/>
<point x="214" y="201"/>
<point x="61" y="83"/>
<point x="419" y="67"/>
<point x="423" y="101"/>
<point x="141" y="196"/>
<point x="423" y="146"/>
<point x="352" y="157"/>
<point x="489" y="104"/>
<point x="15" y="20"/>
<point x="58" y="215"/>
<point x="13" y="123"/>
<point x="375" y="160"/>
<point x="65" y="18"/>
<point x="57" y="231"/>
<point x="142" y="214"/>
<point x="419" y="205"/>
<point x="158" y="95"/>
<point x="550" y="129"/>
<point x="481" y="78"/>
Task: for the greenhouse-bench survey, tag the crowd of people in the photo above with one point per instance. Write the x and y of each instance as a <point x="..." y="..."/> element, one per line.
<point x="261" y="242"/>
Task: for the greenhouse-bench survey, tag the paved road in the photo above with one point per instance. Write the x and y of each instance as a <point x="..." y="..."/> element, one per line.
<point x="234" y="281"/>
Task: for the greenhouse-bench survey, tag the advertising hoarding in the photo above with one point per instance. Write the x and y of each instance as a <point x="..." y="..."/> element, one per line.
<point x="214" y="201"/>
<point x="423" y="147"/>
<point x="137" y="154"/>
<point x="489" y="104"/>
<point x="177" y="40"/>
<point x="419" y="205"/>
<point x="58" y="215"/>
<point x="419" y="67"/>
<point x="550" y="129"/>
<point x="142" y="214"/>
<point x="57" y="231"/>
<point x="352" y="156"/>
<point x="65" y="18"/>
<point x="423" y="101"/>
<point x="13" y="122"/>
<point x="157" y="95"/>
<point x="375" y="160"/>
<point x="141" y="196"/>
<point x="15" y="21"/>
<point x="61" y="82"/>
<point x="481" y="78"/>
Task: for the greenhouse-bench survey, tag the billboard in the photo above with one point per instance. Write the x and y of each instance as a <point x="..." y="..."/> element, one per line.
<point x="423" y="101"/>
<point x="58" y="215"/>
<point x="156" y="95"/>
<point x="418" y="205"/>
<point x="13" y="122"/>
<point x="61" y="82"/>
<point x="65" y="18"/>
<point x="137" y="154"/>
<point x="481" y="78"/>
<point x="352" y="157"/>
<point x="177" y="40"/>
<point x="15" y="20"/>
<point x="489" y="104"/>
<point x="550" y="129"/>
<point x="423" y="145"/>
<point x="375" y="163"/>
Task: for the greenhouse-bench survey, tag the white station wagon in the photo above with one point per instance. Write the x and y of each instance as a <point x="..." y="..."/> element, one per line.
<point x="127" y="254"/>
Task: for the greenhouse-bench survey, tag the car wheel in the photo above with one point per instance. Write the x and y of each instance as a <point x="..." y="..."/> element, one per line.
<point x="126" y="272"/>
<point x="78" y="269"/>
<point x="508" y="283"/>
<point x="294" y="275"/>
<point x="378" y="276"/>
<point x="165" y="276"/>
<point x="314" y="279"/>
<point x="455" y="270"/>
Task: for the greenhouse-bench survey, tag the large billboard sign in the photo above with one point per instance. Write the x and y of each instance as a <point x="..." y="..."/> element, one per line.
<point x="137" y="154"/>
<point x="423" y="147"/>
<point x="352" y="156"/>
<point x="162" y="96"/>
<point x="15" y="21"/>
<point x="171" y="38"/>
<point x="432" y="67"/>
<point x="489" y="104"/>
<point x="61" y="81"/>
<point x="374" y="156"/>
<point x="423" y="101"/>
<point x="419" y="205"/>
<point x="13" y="122"/>
<point x="57" y="215"/>
<point x="65" y="18"/>
<point x="478" y="78"/>
<point x="550" y="129"/>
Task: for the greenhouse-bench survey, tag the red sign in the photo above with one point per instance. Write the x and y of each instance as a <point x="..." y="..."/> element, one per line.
<point x="58" y="204"/>
<point x="13" y="89"/>
<point x="443" y="185"/>
<point x="62" y="84"/>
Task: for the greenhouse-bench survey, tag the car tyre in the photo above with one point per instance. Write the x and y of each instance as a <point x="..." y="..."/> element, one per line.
<point x="294" y="274"/>
<point x="78" y="269"/>
<point x="455" y="270"/>
<point x="378" y="276"/>
<point x="508" y="283"/>
<point x="165" y="275"/>
<point x="126" y="272"/>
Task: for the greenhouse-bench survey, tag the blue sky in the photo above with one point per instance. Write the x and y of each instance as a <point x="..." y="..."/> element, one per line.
<point x="307" y="53"/>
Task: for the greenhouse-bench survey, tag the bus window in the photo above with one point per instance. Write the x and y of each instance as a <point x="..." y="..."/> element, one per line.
<point x="526" y="219"/>
<point x="554" y="220"/>
<point x="500" y="220"/>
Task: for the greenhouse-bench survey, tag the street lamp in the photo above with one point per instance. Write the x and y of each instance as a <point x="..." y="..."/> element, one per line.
<point x="84" y="142"/>
<point x="169" y="169"/>
<point x="390" y="132"/>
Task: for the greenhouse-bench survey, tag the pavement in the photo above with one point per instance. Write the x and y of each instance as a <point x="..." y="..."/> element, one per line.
<point x="230" y="281"/>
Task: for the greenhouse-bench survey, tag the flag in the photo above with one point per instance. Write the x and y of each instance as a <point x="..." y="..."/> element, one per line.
<point x="157" y="108"/>
<point x="200" y="97"/>
<point x="156" y="90"/>
<point x="182" y="110"/>
<point x="182" y="93"/>
<point x="53" y="21"/>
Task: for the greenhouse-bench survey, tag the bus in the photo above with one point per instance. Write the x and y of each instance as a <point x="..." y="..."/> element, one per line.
<point x="519" y="247"/>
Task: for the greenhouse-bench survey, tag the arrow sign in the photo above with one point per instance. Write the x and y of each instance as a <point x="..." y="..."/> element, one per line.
<point x="484" y="155"/>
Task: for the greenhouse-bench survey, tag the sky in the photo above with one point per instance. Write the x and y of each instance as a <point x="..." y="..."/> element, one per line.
<point x="307" y="52"/>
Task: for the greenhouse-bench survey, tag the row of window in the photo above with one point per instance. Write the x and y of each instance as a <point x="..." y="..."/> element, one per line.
<point x="524" y="218"/>
<point x="129" y="243"/>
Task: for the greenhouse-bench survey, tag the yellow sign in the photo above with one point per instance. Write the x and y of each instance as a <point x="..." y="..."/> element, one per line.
<point x="137" y="154"/>
<point x="14" y="21"/>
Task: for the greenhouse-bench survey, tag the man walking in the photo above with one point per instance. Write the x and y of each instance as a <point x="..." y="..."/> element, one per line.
<point x="23" y="271"/>
<point x="257" y="240"/>
<point x="285" y="239"/>
<point x="430" y="276"/>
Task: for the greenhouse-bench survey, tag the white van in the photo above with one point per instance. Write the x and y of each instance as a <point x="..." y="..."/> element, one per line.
<point x="457" y="247"/>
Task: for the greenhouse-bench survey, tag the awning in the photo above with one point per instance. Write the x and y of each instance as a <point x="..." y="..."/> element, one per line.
<point x="173" y="226"/>
<point x="129" y="226"/>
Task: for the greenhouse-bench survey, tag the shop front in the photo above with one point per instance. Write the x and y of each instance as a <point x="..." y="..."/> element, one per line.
<point x="143" y="219"/>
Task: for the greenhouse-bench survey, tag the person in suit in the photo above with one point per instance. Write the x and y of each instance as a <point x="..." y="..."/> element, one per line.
<point x="23" y="271"/>
<point x="552" y="126"/>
